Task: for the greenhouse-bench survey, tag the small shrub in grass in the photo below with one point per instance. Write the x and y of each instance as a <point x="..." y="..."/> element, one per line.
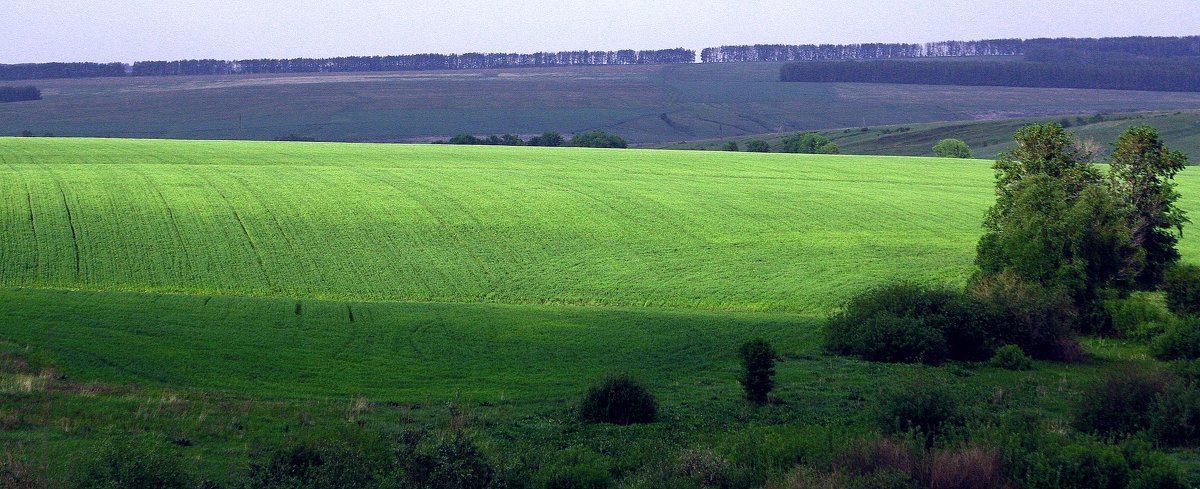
<point x="1181" y="341"/>
<point x="451" y="461"/>
<point x="575" y="468"/>
<point x="1151" y="469"/>
<point x="1117" y="404"/>
<point x="694" y="469"/>
<point x="124" y="461"/>
<point x="1187" y="371"/>
<point x="925" y="407"/>
<point x="891" y="479"/>
<point x="1095" y="465"/>
<point x="758" y="368"/>
<point x="1010" y="357"/>
<point x="350" y="462"/>
<point x="1174" y="418"/>
<point x="618" y="399"/>
<point x="1181" y="285"/>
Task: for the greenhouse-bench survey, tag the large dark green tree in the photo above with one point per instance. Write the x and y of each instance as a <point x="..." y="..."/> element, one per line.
<point x="1142" y="171"/>
<point x="1057" y="224"/>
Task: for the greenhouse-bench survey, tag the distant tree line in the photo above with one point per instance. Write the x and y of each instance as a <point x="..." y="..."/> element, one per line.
<point x="1174" y="75"/>
<point x="590" y="139"/>
<point x="19" y="94"/>
<point x="42" y="71"/>
<point x="412" y="62"/>
<point x="1158" y="47"/>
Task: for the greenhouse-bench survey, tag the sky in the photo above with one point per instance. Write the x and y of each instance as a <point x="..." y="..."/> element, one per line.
<point x="138" y="30"/>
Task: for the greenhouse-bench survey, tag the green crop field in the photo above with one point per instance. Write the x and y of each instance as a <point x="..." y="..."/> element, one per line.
<point x="234" y="294"/>
<point x="645" y="104"/>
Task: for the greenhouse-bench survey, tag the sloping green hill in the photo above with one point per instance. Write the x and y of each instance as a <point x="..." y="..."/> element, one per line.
<point x="469" y="224"/>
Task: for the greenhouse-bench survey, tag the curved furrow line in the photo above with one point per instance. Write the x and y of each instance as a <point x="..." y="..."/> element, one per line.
<point x="450" y="231"/>
<point x="412" y="269"/>
<point x="245" y="232"/>
<point x="32" y="223"/>
<point x="70" y="222"/>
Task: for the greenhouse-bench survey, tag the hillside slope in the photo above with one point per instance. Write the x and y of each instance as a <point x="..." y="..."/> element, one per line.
<point x="646" y="104"/>
<point x="478" y="224"/>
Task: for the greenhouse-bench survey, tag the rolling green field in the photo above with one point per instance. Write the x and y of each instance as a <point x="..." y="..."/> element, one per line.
<point x="234" y="294"/>
<point x="645" y="104"/>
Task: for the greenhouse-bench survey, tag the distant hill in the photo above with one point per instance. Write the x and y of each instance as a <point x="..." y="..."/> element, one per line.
<point x="1179" y="129"/>
<point x="646" y="104"/>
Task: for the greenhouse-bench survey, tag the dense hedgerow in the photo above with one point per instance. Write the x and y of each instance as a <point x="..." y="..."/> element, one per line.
<point x="906" y="322"/>
<point x="341" y="462"/>
<point x="618" y="399"/>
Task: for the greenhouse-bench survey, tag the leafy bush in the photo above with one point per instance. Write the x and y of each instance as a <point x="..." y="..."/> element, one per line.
<point x="731" y="146"/>
<point x="1181" y="341"/>
<point x="1117" y="404"/>
<point x="451" y="461"/>
<point x="1150" y="469"/>
<point x="1181" y="284"/>
<point x="1174" y="418"/>
<point x="618" y="399"/>
<point x="1138" y="317"/>
<point x="1090" y="464"/>
<point x="921" y="406"/>
<point x="1187" y="371"/>
<point x="349" y="462"/>
<point x="1011" y="357"/>
<point x="1028" y="315"/>
<point x="758" y="368"/>
<point x="758" y="146"/>
<point x="905" y="322"/>
<point x="549" y="139"/>
<point x="952" y="148"/>
<point x="598" y="139"/>
<point x="124" y="461"/>
<point x="575" y="468"/>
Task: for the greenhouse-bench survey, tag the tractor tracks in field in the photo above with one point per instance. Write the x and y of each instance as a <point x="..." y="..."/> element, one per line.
<point x="262" y="266"/>
<point x="70" y="221"/>
<point x="32" y="223"/>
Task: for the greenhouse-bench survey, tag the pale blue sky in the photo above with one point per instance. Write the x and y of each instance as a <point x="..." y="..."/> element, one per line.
<point x="130" y="30"/>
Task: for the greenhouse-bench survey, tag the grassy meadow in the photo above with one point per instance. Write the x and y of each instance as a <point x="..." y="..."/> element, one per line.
<point x="223" y="296"/>
<point x="645" y="104"/>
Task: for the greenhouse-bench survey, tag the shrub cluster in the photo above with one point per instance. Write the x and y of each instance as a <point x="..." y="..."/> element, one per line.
<point x="1180" y="341"/>
<point x="921" y="407"/>
<point x="618" y="399"/>
<point x="1011" y="357"/>
<point x="912" y="323"/>
<point x="1131" y="401"/>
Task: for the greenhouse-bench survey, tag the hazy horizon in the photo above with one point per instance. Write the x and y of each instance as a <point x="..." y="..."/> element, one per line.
<point x="136" y="30"/>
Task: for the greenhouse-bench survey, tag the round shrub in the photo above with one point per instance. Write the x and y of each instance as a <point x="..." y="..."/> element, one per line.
<point x="1093" y="465"/>
<point x="952" y="148"/>
<point x="1118" y="403"/>
<point x="1011" y="357"/>
<point x="910" y="323"/>
<point x="1181" y="341"/>
<point x="618" y="399"/>
<point x="1181" y="285"/>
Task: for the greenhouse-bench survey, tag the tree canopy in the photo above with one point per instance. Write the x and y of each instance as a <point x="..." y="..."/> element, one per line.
<point x="952" y="148"/>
